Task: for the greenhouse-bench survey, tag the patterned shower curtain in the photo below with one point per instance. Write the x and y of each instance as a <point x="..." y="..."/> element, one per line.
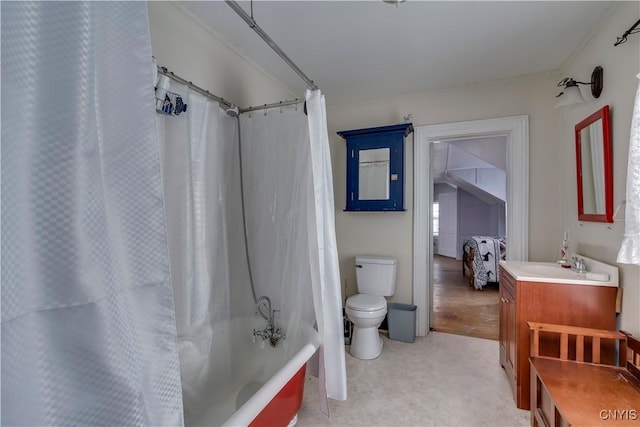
<point x="88" y="328"/>
<point x="630" y="248"/>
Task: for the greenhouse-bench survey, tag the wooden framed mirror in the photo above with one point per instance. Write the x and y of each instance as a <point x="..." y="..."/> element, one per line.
<point x="594" y="167"/>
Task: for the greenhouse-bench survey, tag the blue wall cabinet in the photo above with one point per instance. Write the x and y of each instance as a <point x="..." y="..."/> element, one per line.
<point x="375" y="167"/>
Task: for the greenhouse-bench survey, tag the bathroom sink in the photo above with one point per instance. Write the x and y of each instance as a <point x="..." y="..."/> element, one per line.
<point x="554" y="273"/>
<point x="549" y="270"/>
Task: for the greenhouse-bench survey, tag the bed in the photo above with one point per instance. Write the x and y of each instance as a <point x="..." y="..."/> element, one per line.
<point x="481" y="256"/>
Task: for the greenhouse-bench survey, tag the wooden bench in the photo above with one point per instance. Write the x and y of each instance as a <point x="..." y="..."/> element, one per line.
<point x="576" y="387"/>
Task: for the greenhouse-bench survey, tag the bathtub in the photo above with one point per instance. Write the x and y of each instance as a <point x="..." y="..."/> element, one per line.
<point x="250" y="383"/>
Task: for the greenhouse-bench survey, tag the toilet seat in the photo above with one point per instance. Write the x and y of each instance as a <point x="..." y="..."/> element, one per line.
<point x="366" y="302"/>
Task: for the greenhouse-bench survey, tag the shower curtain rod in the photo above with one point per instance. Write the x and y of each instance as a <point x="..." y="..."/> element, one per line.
<point x="255" y="27"/>
<point x="195" y="88"/>
<point x="273" y="105"/>
<point x="222" y="101"/>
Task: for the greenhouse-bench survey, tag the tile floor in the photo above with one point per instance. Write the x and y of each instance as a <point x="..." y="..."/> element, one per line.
<point x="439" y="380"/>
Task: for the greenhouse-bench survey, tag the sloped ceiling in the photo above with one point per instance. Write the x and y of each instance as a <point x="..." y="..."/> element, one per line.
<point x="491" y="151"/>
<point x="453" y="156"/>
<point x="358" y="50"/>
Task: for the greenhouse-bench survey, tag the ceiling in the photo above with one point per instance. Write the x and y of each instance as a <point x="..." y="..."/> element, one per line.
<point x="452" y="160"/>
<point x="358" y="50"/>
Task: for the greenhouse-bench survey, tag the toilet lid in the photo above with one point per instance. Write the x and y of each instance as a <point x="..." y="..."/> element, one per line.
<point x="364" y="302"/>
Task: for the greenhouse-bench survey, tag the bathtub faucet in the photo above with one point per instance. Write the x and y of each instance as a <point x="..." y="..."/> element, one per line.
<point x="271" y="333"/>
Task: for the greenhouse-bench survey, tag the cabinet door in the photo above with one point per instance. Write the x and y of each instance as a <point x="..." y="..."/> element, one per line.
<point x="375" y="168"/>
<point x="504" y="345"/>
<point x="508" y="331"/>
<point x="511" y="355"/>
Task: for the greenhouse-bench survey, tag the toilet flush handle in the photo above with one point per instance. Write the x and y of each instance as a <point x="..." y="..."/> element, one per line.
<point x="358" y="265"/>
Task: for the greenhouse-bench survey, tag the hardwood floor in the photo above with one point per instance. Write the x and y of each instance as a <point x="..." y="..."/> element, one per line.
<point x="457" y="307"/>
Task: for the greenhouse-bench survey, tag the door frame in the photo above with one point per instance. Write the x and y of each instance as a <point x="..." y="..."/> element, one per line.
<point x="516" y="130"/>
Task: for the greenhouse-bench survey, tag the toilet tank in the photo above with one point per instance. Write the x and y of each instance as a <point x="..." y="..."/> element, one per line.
<point x="376" y="275"/>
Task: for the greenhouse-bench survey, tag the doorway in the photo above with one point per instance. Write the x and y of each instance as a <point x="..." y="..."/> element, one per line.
<point x="515" y="130"/>
<point x="469" y="192"/>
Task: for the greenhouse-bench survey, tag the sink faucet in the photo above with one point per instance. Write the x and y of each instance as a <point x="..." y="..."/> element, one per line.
<point x="578" y="265"/>
<point x="271" y="333"/>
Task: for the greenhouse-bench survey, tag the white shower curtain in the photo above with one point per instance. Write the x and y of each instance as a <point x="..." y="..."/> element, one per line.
<point x="324" y="254"/>
<point x="88" y="329"/>
<point x="630" y="248"/>
<point x="289" y="255"/>
<point x="279" y="201"/>
<point x="289" y="203"/>
<point x="201" y="177"/>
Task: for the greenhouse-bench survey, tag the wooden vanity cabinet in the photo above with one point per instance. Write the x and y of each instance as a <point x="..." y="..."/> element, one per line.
<point x="521" y="301"/>
<point x="507" y="331"/>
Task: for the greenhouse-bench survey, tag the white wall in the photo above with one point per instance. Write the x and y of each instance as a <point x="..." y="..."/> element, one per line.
<point x="392" y="233"/>
<point x="490" y="183"/>
<point x="442" y="188"/>
<point x="439" y="189"/>
<point x="621" y="64"/>
<point x="192" y="50"/>
<point x="477" y="218"/>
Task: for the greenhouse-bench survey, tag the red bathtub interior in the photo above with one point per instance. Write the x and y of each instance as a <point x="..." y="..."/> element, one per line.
<point x="285" y="405"/>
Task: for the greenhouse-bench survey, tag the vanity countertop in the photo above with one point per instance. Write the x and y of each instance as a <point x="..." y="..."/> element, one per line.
<point x="553" y="272"/>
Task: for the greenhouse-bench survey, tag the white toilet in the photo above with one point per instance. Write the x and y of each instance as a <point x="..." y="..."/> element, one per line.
<point x="376" y="279"/>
